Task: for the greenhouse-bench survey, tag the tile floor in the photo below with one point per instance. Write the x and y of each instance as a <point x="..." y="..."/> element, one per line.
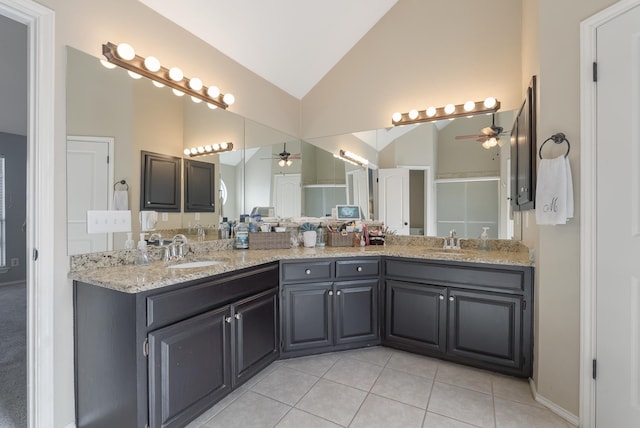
<point x="378" y="387"/>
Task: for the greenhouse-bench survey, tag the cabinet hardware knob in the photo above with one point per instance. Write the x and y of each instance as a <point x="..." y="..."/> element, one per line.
<point x="441" y="297"/>
<point x="307" y="271"/>
<point x="451" y="298"/>
<point x="237" y="316"/>
<point x="359" y="269"/>
<point x="227" y="320"/>
<point x="330" y="293"/>
<point x="338" y="292"/>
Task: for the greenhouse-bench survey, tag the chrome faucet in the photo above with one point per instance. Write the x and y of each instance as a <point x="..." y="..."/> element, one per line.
<point x="155" y="238"/>
<point x="177" y="246"/>
<point x="450" y="242"/>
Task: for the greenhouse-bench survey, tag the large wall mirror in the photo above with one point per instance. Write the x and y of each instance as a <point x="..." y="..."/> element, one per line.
<point x="451" y="183"/>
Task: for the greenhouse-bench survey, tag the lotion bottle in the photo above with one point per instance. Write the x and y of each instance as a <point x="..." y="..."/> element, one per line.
<point x="142" y="257"/>
<point x="129" y="244"/>
<point x="484" y="239"/>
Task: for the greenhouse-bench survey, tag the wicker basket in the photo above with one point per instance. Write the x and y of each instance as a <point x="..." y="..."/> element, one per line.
<point x="269" y="240"/>
<point x="337" y="239"/>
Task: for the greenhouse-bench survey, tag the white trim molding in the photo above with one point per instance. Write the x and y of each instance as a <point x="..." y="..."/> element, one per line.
<point x="588" y="198"/>
<point x="40" y="204"/>
<point x="563" y="413"/>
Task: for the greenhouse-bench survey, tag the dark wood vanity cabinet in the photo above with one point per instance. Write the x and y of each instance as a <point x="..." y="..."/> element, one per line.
<point x="161" y="358"/>
<point x="471" y="313"/>
<point x="329" y="305"/>
<point x="160" y="182"/>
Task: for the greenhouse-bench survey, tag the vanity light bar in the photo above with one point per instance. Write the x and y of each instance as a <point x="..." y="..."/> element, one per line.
<point x="209" y="149"/>
<point x="470" y="108"/>
<point x="124" y="56"/>
<point x="353" y="158"/>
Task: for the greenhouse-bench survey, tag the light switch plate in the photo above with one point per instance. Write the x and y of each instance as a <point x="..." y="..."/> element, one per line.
<point x="197" y="216"/>
<point x="108" y="221"/>
<point x="165" y="216"/>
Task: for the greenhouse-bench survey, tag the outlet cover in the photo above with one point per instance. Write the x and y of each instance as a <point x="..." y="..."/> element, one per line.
<point x="15" y="262"/>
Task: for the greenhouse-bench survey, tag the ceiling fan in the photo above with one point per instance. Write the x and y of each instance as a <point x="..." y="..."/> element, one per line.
<point x="490" y="136"/>
<point x="285" y="158"/>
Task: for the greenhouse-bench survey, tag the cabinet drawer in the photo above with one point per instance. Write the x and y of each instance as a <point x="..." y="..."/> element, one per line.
<point x="171" y="306"/>
<point x="357" y="268"/>
<point x="500" y="279"/>
<point x="306" y="271"/>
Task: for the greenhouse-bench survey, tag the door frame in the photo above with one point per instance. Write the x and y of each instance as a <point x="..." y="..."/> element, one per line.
<point x="588" y="205"/>
<point x="430" y="226"/>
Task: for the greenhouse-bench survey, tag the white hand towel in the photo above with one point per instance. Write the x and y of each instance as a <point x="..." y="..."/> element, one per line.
<point x="120" y="200"/>
<point x="554" y="192"/>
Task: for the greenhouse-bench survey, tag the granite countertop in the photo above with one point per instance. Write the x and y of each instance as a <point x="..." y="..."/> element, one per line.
<point x="131" y="278"/>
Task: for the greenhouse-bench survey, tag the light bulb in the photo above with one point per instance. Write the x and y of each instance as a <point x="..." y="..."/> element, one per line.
<point x="187" y="152"/>
<point x="490" y="102"/>
<point x="151" y="63"/>
<point x="176" y="74"/>
<point x="134" y="75"/>
<point x="212" y="106"/>
<point x="196" y="100"/>
<point x="413" y="114"/>
<point x="281" y="162"/>
<point x="216" y="147"/>
<point x="486" y="145"/>
<point x="195" y="83"/>
<point x="431" y="111"/>
<point x="289" y="162"/>
<point x="208" y="148"/>
<point x="213" y="92"/>
<point x="229" y="99"/>
<point x="397" y="117"/>
<point x="492" y="142"/>
<point x="157" y="84"/>
<point x="200" y="149"/>
<point x="224" y="145"/>
<point x="107" y="64"/>
<point x="125" y="51"/>
<point x="469" y="105"/>
<point x="177" y="92"/>
<point x="194" y="151"/>
<point x="449" y="108"/>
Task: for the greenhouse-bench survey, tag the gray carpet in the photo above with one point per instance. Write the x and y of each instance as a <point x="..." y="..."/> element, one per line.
<point x="13" y="356"/>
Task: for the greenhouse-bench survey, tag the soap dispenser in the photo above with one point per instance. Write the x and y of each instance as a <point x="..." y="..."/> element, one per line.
<point x="142" y="258"/>
<point x="484" y="239"/>
<point x="129" y="244"/>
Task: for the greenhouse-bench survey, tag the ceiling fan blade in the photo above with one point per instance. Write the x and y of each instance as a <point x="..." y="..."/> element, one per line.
<point x="488" y="131"/>
<point x="465" y="137"/>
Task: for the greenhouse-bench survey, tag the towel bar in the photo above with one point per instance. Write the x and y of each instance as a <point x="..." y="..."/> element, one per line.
<point x="558" y="138"/>
<point x="122" y="183"/>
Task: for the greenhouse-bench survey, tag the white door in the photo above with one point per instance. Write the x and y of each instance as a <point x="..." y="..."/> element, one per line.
<point x="393" y="195"/>
<point x="618" y="222"/>
<point x="358" y="190"/>
<point x="287" y="195"/>
<point x="89" y="181"/>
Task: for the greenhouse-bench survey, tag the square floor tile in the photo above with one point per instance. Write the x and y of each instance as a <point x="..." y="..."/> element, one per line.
<point x="462" y="404"/>
<point x="433" y="420"/>
<point x="333" y="401"/>
<point x="354" y="373"/>
<point x="377" y="355"/>
<point x="285" y="385"/>
<point x="510" y="414"/>
<point x="316" y="365"/>
<point x="514" y="389"/>
<point x="251" y="410"/>
<point x="299" y="419"/>
<point x="413" y="364"/>
<point x="380" y="412"/>
<point x="403" y="387"/>
<point x="467" y="377"/>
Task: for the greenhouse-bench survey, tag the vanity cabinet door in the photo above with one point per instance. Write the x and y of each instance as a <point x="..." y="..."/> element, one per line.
<point x="307" y="316"/>
<point x="189" y="367"/>
<point x="256" y="338"/>
<point x="415" y="316"/>
<point x="199" y="191"/>
<point x="355" y="305"/>
<point x="160" y="182"/>
<point x="486" y="327"/>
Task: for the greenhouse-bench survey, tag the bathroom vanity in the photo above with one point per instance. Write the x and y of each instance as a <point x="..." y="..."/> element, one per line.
<point x="159" y="350"/>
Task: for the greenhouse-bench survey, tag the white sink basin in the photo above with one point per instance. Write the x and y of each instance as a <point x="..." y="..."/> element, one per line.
<point x="200" y="264"/>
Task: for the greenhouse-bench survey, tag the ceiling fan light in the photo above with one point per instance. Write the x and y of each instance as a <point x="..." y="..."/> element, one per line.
<point x="449" y="108"/>
<point x="486" y="145"/>
<point x="490" y="102"/>
<point x="396" y="117"/>
<point x="492" y="142"/>
<point x="413" y="114"/>
<point x="289" y="162"/>
<point x="431" y="111"/>
<point x="281" y="162"/>
<point x="469" y="106"/>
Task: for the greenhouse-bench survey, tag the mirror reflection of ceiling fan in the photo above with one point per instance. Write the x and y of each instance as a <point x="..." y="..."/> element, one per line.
<point x="285" y="158"/>
<point x="490" y="136"/>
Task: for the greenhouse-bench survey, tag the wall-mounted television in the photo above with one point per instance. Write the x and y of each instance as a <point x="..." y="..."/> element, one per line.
<point x="348" y="212"/>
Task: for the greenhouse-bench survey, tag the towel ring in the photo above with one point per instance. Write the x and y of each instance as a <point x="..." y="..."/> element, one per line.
<point x="122" y="183"/>
<point x="558" y="138"/>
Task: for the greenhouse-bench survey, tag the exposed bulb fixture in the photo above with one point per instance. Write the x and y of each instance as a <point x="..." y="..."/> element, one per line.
<point x="134" y="75"/>
<point x="353" y="158"/>
<point x="123" y="55"/>
<point x="449" y="111"/>
<point x="107" y="64"/>
<point x="208" y="149"/>
<point x="177" y="92"/>
<point x="157" y="84"/>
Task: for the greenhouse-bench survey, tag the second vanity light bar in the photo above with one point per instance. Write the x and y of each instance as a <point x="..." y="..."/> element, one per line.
<point x="470" y="108"/>
<point x="209" y="149"/>
<point x="123" y="55"/>
<point x="353" y="158"/>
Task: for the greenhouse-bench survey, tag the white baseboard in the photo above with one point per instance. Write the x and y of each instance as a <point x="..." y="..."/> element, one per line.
<point x="563" y="413"/>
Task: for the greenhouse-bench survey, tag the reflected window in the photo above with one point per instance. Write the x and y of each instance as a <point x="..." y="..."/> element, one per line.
<point x="223" y="192"/>
<point x="3" y="241"/>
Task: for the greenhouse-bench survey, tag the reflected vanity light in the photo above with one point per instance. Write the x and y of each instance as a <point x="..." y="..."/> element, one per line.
<point x="209" y="149"/>
<point x="123" y="55"/>
<point x="450" y="111"/>
<point x="353" y="158"/>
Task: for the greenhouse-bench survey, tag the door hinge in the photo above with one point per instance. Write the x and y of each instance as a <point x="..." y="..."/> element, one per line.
<point x="594" y="369"/>
<point x="595" y="71"/>
<point x="145" y="347"/>
<point x="107" y="159"/>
